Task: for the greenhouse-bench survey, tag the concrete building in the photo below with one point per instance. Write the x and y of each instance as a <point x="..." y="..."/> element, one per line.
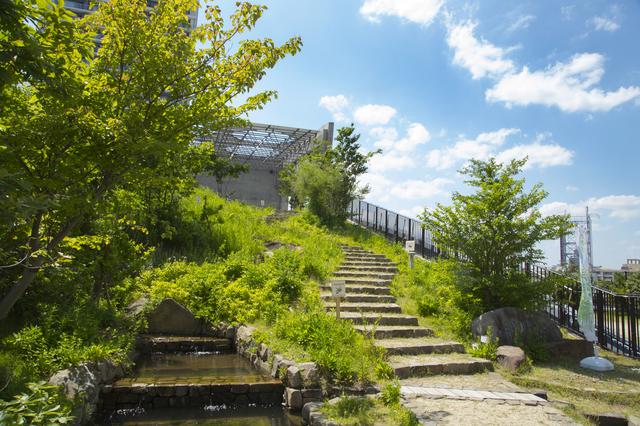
<point x="632" y="265"/>
<point x="83" y="7"/>
<point x="266" y="149"/>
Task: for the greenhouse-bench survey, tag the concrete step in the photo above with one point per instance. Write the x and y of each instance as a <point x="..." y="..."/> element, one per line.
<point x="388" y="308"/>
<point x="361" y="289"/>
<point x="362" y="298"/>
<point x="428" y="365"/>
<point x="364" y="281"/>
<point x="365" y="256"/>
<point x="392" y="332"/>
<point x="419" y="346"/>
<point x="367" y="268"/>
<point x="380" y="319"/>
<point x="340" y="274"/>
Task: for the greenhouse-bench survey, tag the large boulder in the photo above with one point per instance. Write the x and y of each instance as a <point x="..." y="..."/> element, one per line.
<point x="171" y="318"/>
<point x="513" y="327"/>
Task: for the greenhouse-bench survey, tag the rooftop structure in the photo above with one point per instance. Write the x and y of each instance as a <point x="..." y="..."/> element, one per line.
<point x="266" y="149"/>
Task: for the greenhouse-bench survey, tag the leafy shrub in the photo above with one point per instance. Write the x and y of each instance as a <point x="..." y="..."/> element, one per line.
<point x="333" y="344"/>
<point x="352" y="410"/>
<point x="390" y="394"/>
<point x="41" y="405"/>
<point x="488" y="349"/>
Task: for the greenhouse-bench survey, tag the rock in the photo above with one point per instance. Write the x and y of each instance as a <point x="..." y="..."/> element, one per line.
<point x="293" y="378"/>
<point x="279" y="367"/>
<point x="170" y="317"/>
<point x="308" y="408"/>
<point x="82" y="383"/>
<point x="137" y="306"/>
<point x="310" y="374"/>
<point x="569" y="348"/>
<point x="510" y="357"/>
<point x="513" y="326"/>
<point x="293" y="398"/>
<point x="244" y="339"/>
<point x="263" y="352"/>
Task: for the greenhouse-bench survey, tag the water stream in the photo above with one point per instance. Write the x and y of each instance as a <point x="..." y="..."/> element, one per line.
<point x="196" y="369"/>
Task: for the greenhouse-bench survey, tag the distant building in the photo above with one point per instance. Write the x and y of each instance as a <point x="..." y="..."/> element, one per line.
<point x="632" y="265"/>
<point x="604" y="274"/>
<point x="83" y="7"/>
<point x="266" y="149"/>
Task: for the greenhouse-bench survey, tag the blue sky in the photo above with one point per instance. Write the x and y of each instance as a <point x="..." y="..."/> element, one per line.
<point x="437" y="82"/>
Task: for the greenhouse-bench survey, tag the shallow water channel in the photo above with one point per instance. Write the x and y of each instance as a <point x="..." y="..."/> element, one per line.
<point x="221" y="375"/>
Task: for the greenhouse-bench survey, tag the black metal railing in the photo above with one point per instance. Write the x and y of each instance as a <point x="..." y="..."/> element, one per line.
<point x="617" y="315"/>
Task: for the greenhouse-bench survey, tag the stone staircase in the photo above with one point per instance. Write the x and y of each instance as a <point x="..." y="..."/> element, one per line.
<point x="369" y="305"/>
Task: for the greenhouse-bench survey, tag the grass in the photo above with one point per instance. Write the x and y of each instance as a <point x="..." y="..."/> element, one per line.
<point x="367" y="411"/>
<point x="588" y="391"/>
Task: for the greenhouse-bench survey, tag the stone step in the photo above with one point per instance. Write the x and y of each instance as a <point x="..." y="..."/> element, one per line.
<point x="362" y="298"/>
<point x="428" y="365"/>
<point x="391" y="332"/>
<point x="367" y="268"/>
<point x="365" y="281"/>
<point x="340" y="274"/>
<point x="419" y="346"/>
<point x="362" y="289"/>
<point x="380" y="319"/>
<point x="389" y="308"/>
<point x="171" y="344"/>
<point x="365" y="256"/>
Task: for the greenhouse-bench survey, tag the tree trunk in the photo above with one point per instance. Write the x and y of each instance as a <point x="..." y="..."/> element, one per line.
<point x="30" y="270"/>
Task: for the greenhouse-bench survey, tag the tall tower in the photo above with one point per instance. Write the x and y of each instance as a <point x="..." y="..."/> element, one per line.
<point x="569" y="243"/>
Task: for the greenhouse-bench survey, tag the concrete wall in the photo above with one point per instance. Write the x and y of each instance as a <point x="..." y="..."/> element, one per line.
<point x="258" y="185"/>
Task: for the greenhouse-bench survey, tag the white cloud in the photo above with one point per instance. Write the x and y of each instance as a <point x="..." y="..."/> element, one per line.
<point x="571" y="188"/>
<point x="379" y="186"/>
<point x="335" y="105"/>
<point x="539" y="155"/>
<point x="392" y="161"/>
<point x="479" y="56"/>
<point x="600" y="23"/>
<point x="420" y="189"/>
<point x="480" y="148"/>
<point x="387" y="138"/>
<point x="417" y="11"/>
<point x="623" y="207"/>
<point x="374" y="115"/>
<point x="521" y="23"/>
<point x="412" y="212"/>
<point x="567" y="11"/>
<point x="568" y="86"/>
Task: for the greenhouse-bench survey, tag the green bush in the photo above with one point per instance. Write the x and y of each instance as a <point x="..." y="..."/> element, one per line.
<point x="390" y="394"/>
<point x="333" y="344"/>
<point x="42" y="404"/>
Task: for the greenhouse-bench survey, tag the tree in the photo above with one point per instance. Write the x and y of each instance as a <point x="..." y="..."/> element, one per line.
<point x="496" y="229"/>
<point x="122" y="119"/>
<point x="326" y="180"/>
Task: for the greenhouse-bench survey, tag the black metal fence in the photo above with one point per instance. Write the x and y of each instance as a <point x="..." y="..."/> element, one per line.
<point x="617" y="315"/>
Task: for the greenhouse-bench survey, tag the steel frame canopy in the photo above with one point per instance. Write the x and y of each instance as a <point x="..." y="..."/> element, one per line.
<point x="264" y="144"/>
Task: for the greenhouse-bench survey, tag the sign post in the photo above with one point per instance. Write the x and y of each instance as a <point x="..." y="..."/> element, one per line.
<point x="338" y="291"/>
<point x="410" y="247"/>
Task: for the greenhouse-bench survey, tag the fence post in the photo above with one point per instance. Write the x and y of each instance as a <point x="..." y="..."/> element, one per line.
<point x="386" y="222"/>
<point x="423" y="243"/>
<point x="602" y="339"/>
<point x="409" y="234"/>
<point x="633" y="331"/>
<point x="367" y="225"/>
<point x="376" y="226"/>
<point x="360" y="212"/>
<point x="397" y="226"/>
